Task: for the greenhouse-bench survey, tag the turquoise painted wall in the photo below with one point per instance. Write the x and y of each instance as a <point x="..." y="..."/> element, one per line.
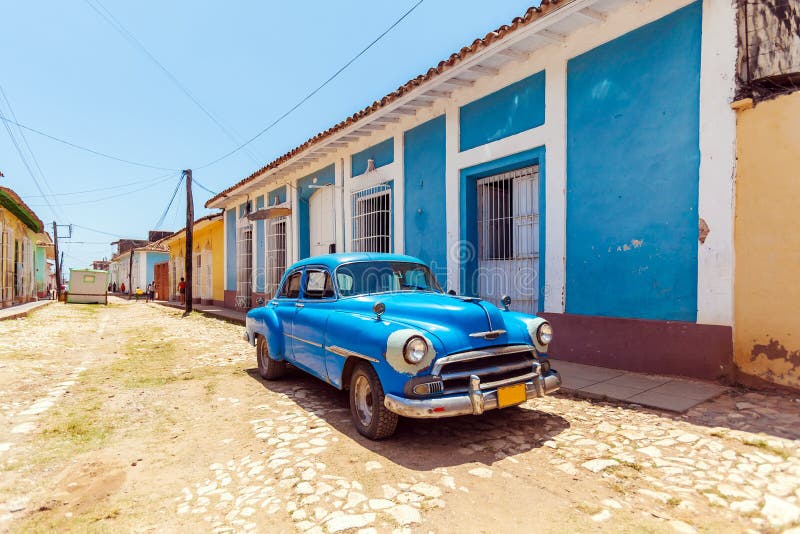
<point x="511" y="110"/>
<point x="277" y="196"/>
<point x="382" y="153"/>
<point x="633" y="171"/>
<point x="425" y="220"/>
<point x="151" y="258"/>
<point x="468" y="252"/>
<point x="304" y="191"/>
<point x="230" y="247"/>
<point x="259" y="251"/>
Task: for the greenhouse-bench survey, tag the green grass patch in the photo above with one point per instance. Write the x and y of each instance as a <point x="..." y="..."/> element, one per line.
<point x="766" y="447"/>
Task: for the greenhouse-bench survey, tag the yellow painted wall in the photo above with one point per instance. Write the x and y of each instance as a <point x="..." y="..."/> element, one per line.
<point x="208" y="236"/>
<point x="767" y="242"/>
<point x="8" y="290"/>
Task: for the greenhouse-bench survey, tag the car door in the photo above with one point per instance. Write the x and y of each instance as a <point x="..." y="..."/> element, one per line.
<point x="317" y="301"/>
<point x="285" y="306"/>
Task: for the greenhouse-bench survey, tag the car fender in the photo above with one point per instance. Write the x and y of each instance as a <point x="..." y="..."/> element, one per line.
<point x="377" y="342"/>
<point x="523" y="325"/>
<point x="263" y="321"/>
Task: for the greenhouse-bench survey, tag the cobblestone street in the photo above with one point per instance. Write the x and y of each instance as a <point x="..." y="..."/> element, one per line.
<point x="130" y="417"/>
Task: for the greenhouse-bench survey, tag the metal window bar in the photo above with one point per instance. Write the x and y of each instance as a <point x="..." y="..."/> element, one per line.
<point x="508" y="238"/>
<point x="197" y="282"/>
<point x="276" y="255"/>
<point x="244" y="263"/>
<point x="208" y="293"/>
<point x="372" y="219"/>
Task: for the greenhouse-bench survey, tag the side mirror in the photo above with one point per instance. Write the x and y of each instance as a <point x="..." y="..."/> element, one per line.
<point x="506" y="300"/>
<point x="260" y="301"/>
<point x="451" y="291"/>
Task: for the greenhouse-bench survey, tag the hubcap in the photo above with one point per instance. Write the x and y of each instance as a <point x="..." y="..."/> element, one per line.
<point x="363" y="400"/>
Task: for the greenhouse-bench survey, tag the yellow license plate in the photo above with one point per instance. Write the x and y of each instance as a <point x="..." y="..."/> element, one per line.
<point x="511" y="395"/>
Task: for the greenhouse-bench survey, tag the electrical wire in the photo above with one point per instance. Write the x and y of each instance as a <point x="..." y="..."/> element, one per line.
<point x="28" y="167"/>
<point x="312" y="93"/>
<point x="118" y="26"/>
<point x="161" y="179"/>
<point x="201" y="186"/>
<point x="85" y="149"/>
<point x="97" y="231"/>
<point x="33" y="156"/>
<point x="171" y="200"/>
<point x="118" y="186"/>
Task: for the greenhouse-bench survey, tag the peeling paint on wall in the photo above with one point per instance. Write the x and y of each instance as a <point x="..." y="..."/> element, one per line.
<point x="702" y="231"/>
<point x="774" y="362"/>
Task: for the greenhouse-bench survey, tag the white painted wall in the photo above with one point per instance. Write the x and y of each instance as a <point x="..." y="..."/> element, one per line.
<point x="715" y="260"/>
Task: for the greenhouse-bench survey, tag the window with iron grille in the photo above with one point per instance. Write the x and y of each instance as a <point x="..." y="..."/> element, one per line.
<point x="508" y="237"/>
<point x="276" y="254"/>
<point x="6" y="267"/>
<point x="372" y="219"/>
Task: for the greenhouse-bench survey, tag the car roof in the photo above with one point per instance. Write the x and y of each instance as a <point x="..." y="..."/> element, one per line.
<point x="331" y="261"/>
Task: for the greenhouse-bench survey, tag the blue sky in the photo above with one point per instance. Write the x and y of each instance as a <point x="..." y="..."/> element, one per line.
<point x="68" y="72"/>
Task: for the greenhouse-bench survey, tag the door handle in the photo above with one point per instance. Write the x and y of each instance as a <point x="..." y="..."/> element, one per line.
<point x="299" y="305"/>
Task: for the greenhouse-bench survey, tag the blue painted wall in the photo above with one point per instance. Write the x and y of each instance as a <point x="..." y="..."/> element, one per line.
<point x="150" y="262"/>
<point x="468" y="252"/>
<point x="511" y="110"/>
<point x="425" y="220"/>
<point x="259" y="251"/>
<point x="277" y="196"/>
<point x="382" y="153"/>
<point x="230" y="247"/>
<point x="304" y="191"/>
<point x="632" y="173"/>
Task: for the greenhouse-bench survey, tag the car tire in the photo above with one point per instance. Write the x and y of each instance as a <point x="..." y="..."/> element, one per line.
<point x="370" y="416"/>
<point x="268" y="369"/>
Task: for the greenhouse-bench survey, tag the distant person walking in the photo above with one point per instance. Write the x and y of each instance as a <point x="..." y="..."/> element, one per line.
<point x="138" y="292"/>
<point x="122" y="288"/>
<point x="182" y="290"/>
<point x="151" y="291"/>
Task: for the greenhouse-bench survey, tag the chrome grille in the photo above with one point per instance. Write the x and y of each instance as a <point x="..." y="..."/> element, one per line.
<point x="493" y="368"/>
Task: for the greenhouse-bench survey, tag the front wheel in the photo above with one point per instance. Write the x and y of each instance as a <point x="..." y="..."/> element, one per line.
<point x="268" y="369"/>
<point x="371" y="417"/>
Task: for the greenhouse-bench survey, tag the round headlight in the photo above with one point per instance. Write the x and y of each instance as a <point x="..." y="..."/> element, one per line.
<point x="415" y="350"/>
<point x="545" y="333"/>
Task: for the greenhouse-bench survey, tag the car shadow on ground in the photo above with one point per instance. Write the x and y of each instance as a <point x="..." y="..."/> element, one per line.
<point x="421" y="444"/>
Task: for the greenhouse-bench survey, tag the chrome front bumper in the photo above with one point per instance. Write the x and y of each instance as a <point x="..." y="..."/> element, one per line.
<point x="475" y="402"/>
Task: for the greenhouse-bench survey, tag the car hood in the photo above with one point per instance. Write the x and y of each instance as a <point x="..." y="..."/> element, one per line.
<point x="449" y="318"/>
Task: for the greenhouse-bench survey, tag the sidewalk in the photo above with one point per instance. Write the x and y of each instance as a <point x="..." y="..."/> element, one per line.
<point x="663" y="392"/>
<point x="217" y="312"/>
<point x="22" y="310"/>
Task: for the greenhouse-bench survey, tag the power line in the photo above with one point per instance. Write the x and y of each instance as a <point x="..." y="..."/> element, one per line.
<point x="33" y="156"/>
<point x="28" y="167"/>
<point x="201" y="186"/>
<point x="160" y="180"/>
<point x="117" y="25"/>
<point x="171" y="200"/>
<point x="315" y="91"/>
<point x="118" y="186"/>
<point x="96" y="231"/>
<point x="79" y="147"/>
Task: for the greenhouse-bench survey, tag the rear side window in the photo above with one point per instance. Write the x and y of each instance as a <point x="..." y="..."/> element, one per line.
<point x="318" y="285"/>
<point x="291" y="287"/>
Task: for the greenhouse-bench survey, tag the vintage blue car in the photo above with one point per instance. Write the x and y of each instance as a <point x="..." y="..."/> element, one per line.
<point x="381" y="326"/>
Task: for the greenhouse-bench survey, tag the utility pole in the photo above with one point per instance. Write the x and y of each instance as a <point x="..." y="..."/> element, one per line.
<point x="130" y="273"/>
<point x="58" y="265"/>
<point x="189" y="245"/>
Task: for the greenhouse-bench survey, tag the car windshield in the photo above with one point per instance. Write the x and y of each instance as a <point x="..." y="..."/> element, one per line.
<point x="364" y="278"/>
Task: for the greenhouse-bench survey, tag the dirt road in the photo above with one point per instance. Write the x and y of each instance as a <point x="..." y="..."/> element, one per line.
<point x="132" y="418"/>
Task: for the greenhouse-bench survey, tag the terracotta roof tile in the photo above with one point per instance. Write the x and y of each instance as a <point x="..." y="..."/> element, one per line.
<point x="531" y="15"/>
